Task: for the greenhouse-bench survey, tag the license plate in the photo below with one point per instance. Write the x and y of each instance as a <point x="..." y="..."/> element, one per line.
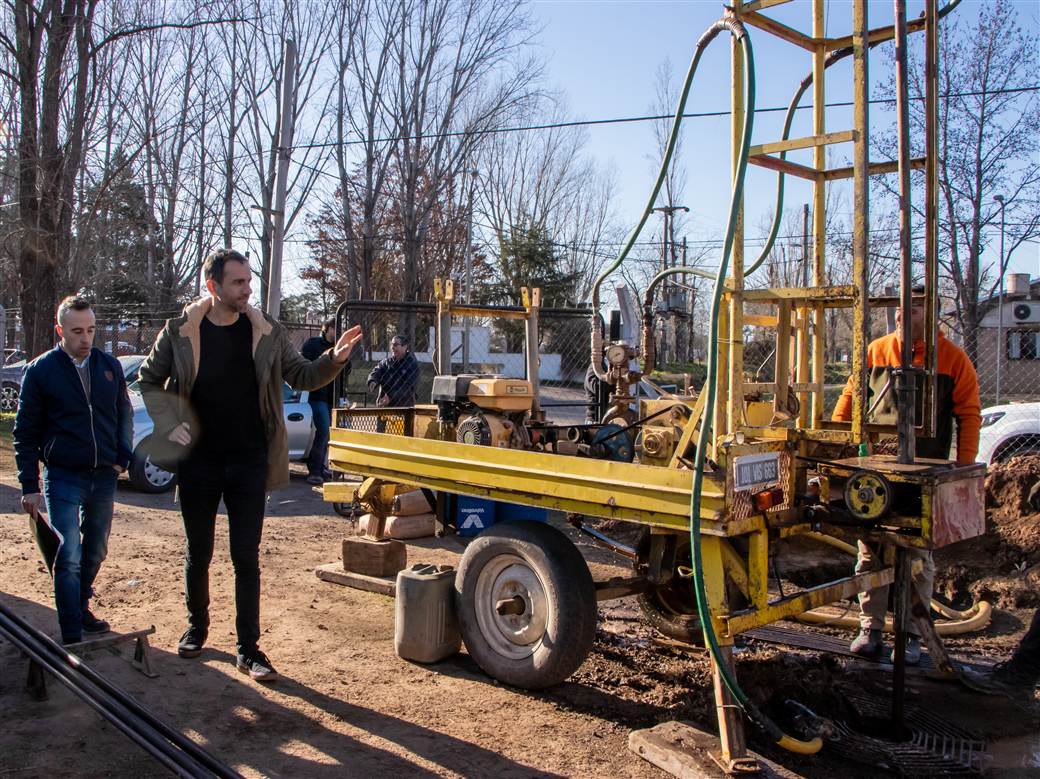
<point x="756" y="471"/>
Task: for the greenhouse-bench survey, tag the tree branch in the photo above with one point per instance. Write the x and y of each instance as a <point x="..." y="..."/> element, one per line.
<point x="118" y="34"/>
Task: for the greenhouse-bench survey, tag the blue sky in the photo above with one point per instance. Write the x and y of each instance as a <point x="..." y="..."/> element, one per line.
<point x="602" y="56"/>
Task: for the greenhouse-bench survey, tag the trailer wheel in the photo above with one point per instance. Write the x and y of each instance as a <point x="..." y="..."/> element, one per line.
<point x="526" y="604"/>
<point x="671" y="608"/>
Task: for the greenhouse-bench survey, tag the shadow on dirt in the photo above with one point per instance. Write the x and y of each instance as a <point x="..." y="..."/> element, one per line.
<point x="245" y="725"/>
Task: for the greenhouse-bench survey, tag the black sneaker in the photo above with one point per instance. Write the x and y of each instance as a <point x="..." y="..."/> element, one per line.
<point x="191" y="642"/>
<point x="257" y="665"/>
<point x="92" y="625"/>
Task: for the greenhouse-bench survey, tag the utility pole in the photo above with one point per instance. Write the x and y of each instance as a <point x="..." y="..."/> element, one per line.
<point x="666" y="291"/>
<point x="285" y="141"/>
<point x="469" y="272"/>
<point x="1001" y="349"/>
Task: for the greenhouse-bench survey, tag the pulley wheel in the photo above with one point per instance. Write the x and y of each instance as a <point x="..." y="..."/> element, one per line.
<point x="868" y="496"/>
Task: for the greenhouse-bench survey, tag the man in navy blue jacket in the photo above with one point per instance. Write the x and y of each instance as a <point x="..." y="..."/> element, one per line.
<point x="74" y="415"/>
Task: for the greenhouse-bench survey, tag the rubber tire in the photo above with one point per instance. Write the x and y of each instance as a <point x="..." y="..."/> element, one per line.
<point x="138" y="478"/>
<point x="671" y="609"/>
<point x="9" y="403"/>
<point x="570" y="598"/>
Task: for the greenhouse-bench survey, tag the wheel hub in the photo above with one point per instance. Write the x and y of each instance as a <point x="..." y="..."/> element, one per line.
<point x="511" y="606"/>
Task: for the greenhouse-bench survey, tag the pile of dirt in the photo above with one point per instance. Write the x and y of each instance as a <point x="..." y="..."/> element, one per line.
<point x="1003" y="566"/>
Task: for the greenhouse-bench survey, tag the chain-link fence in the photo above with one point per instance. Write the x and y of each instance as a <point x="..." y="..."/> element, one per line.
<point x="1006" y="356"/>
<point x="484" y="345"/>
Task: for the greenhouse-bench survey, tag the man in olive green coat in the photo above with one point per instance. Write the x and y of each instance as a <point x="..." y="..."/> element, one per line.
<point x="213" y="387"/>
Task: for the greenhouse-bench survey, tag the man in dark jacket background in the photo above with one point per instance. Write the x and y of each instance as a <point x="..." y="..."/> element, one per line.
<point x="321" y="402"/>
<point x="74" y="415"/>
<point x="395" y="380"/>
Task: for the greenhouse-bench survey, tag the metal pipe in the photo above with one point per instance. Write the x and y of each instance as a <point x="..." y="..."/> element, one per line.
<point x="610" y="543"/>
<point x="906" y="386"/>
<point x="174" y="760"/>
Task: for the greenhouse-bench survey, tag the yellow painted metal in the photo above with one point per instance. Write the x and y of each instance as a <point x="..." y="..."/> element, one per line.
<point x="874" y="169"/>
<point x="805" y="600"/>
<point x="803" y="143"/>
<point x="715" y="586"/>
<point x="861" y="215"/>
<point x="758" y="5"/>
<point x="823" y="294"/>
<point x="640" y="493"/>
<point x="873" y="36"/>
<point x="781" y="31"/>
<point x="735" y="300"/>
<point x="758" y="569"/>
<point x="819" y="215"/>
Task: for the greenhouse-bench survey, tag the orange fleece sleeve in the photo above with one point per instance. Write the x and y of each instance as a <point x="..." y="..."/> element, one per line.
<point x="843" y="408"/>
<point x="966" y="407"/>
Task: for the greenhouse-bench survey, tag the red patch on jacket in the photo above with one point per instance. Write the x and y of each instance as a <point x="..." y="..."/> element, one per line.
<point x="109" y="376"/>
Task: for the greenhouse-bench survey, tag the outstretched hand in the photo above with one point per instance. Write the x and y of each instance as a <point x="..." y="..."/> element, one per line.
<point x="346" y="343"/>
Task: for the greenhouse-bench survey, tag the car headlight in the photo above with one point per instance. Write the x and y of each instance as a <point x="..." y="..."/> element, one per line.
<point x="990" y="419"/>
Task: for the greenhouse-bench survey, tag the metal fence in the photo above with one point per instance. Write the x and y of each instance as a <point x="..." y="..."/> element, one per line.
<point x="495" y="346"/>
<point x="1006" y="359"/>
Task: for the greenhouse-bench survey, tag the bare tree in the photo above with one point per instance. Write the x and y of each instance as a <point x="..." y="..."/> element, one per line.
<point x="311" y="26"/>
<point x="989" y="144"/>
<point x="457" y="75"/>
<point x="543" y="178"/>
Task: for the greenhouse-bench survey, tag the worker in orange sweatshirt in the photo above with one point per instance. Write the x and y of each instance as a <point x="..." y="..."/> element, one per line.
<point x="957" y="397"/>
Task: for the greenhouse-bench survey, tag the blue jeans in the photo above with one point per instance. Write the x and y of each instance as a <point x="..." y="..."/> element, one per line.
<point x="322" y="415"/>
<point x="79" y="506"/>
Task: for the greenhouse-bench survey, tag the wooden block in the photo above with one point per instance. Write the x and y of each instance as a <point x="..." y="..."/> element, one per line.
<point x="374" y="558"/>
<point x="333" y="572"/>
<point x="683" y="750"/>
<point x="400" y="527"/>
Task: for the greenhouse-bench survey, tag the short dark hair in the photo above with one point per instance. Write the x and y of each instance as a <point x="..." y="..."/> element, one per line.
<point x="401" y="339"/>
<point x="328" y="324"/>
<point x="213" y="266"/>
<point x="72" y="303"/>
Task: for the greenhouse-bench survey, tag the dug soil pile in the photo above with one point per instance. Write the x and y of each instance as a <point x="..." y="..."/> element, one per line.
<point x="1003" y="566"/>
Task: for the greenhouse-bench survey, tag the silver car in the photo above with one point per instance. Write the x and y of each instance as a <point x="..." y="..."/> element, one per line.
<point x="148" y="477"/>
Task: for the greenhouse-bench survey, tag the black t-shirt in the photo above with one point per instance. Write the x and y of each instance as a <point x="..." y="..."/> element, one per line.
<point x="226" y="395"/>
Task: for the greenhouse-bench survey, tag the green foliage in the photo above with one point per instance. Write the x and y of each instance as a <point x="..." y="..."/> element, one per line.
<point x="528" y="258"/>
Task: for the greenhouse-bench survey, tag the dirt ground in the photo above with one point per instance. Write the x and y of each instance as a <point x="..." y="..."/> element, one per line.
<point x="347" y="706"/>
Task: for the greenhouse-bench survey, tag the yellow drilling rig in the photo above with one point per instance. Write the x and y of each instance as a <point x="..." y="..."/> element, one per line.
<point x="715" y="478"/>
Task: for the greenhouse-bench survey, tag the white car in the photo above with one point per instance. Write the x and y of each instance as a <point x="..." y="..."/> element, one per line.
<point x="1009" y="430"/>
<point x="149" y="477"/>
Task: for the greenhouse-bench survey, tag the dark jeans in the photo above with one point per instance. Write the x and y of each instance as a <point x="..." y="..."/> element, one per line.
<point x="322" y="416"/>
<point x="1027" y="655"/>
<point x="203" y="481"/>
<point x="79" y="508"/>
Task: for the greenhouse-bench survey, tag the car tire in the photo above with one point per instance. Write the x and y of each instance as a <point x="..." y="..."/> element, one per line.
<point x="9" y="398"/>
<point x="148" y="477"/>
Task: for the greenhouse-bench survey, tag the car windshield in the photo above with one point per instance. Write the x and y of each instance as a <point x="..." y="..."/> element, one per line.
<point x="131" y="364"/>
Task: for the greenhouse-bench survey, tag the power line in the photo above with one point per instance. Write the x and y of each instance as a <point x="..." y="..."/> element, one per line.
<point x="633" y="119"/>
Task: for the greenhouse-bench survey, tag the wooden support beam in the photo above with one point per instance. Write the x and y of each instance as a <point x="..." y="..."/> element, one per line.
<point x="803" y="143"/>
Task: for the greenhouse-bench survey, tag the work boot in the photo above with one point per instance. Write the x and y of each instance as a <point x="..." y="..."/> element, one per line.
<point x="1005" y="678"/>
<point x="191" y="642"/>
<point x="913" y="650"/>
<point x="92" y="625"/>
<point x="867" y="644"/>
<point x="315" y="479"/>
<point x="256" y="664"/>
